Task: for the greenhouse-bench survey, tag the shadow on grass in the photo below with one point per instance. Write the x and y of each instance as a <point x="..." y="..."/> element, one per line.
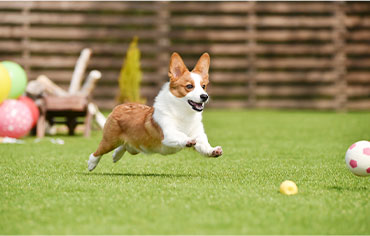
<point x="138" y="175"/>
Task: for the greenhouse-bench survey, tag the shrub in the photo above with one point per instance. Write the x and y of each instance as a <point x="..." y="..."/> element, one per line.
<point x="130" y="76"/>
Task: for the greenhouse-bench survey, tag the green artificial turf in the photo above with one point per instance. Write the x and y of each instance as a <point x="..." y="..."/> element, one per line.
<point x="45" y="188"/>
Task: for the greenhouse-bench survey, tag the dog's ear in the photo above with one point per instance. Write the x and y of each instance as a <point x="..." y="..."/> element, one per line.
<point x="177" y="66"/>
<point x="202" y="65"/>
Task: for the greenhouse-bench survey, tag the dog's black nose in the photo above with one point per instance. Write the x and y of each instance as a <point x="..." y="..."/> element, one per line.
<point x="204" y="97"/>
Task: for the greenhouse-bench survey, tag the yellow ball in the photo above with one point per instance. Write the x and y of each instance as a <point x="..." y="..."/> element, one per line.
<point x="5" y="83"/>
<point x="288" y="187"/>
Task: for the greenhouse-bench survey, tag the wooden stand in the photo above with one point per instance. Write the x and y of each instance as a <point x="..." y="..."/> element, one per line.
<point x="69" y="108"/>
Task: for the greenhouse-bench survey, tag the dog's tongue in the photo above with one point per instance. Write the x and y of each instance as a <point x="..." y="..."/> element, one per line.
<point x="198" y="105"/>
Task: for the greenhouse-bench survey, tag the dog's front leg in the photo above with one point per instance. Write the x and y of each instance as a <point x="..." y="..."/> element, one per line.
<point x="203" y="147"/>
<point x="177" y="139"/>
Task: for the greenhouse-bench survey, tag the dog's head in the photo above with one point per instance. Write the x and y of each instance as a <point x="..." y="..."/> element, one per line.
<point x="190" y="87"/>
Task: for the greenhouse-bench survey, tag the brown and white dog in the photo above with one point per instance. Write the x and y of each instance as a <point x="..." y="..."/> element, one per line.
<point x="174" y="122"/>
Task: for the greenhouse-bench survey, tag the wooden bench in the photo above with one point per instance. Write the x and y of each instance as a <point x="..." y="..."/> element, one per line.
<point x="69" y="108"/>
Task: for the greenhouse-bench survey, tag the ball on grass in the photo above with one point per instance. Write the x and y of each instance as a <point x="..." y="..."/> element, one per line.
<point x="288" y="188"/>
<point x="33" y="108"/>
<point x="5" y="83"/>
<point x="358" y="158"/>
<point x="15" y="119"/>
<point x="18" y="78"/>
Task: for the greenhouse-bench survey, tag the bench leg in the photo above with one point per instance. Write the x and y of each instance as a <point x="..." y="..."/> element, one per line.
<point x="88" y="123"/>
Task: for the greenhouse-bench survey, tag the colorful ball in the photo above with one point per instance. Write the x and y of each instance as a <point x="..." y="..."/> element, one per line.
<point x="15" y="119"/>
<point x="358" y="158"/>
<point x="5" y="83"/>
<point x="18" y="77"/>
<point x="33" y="108"/>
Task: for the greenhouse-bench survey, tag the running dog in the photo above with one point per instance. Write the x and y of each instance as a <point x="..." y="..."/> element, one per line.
<point x="173" y="123"/>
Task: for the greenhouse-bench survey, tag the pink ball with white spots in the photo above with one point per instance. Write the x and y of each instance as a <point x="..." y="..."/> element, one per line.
<point x="358" y="158"/>
<point x="15" y="119"/>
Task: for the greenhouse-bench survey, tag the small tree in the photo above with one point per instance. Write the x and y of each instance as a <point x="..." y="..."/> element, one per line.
<point x="130" y="76"/>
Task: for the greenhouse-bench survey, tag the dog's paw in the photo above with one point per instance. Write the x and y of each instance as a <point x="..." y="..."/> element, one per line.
<point x="118" y="153"/>
<point x="92" y="162"/>
<point x="216" y="152"/>
<point x="191" y="143"/>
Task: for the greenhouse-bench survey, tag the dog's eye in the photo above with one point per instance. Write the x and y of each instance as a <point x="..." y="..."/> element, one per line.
<point x="203" y="86"/>
<point x="189" y="86"/>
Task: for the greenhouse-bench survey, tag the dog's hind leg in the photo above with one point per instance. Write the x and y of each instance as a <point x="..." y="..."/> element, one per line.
<point x="111" y="140"/>
<point x="118" y="153"/>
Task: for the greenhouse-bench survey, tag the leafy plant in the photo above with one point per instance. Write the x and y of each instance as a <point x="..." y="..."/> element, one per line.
<point x="130" y="76"/>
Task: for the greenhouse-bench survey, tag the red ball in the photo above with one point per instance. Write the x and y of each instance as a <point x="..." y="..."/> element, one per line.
<point x="33" y="108"/>
<point x="15" y="119"/>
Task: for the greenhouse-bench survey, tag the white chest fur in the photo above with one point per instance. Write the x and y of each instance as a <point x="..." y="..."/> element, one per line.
<point x="176" y="118"/>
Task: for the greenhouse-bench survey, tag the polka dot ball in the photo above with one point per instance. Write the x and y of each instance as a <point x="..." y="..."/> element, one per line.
<point x="15" y="119"/>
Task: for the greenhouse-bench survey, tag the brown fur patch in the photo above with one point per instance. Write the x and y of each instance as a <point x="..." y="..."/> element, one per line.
<point x="131" y="124"/>
<point x="178" y="86"/>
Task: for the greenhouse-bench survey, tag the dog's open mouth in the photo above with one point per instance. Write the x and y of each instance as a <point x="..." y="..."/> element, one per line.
<point x="196" y="106"/>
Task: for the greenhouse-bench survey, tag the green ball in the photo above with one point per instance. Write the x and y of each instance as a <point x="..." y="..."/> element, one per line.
<point x="18" y="78"/>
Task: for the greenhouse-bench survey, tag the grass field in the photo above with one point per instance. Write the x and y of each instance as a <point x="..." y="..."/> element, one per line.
<point x="46" y="189"/>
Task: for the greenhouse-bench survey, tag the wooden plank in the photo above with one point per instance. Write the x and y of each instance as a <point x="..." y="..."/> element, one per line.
<point x="359" y="77"/>
<point x="229" y="104"/>
<point x="206" y="34"/>
<point x="296" y="7"/>
<point x="295" y="49"/>
<point x="80" y="6"/>
<point x="295" y="76"/>
<point x="285" y="35"/>
<point x="295" y="21"/>
<point x="358" y="62"/>
<point x="357" y="48"/>
<point x="205" y="20"/>
<point x="219" y="62"/>
<point x="14" y="5"/>
<point x="224" y="7"/>
<point x="359" y="104"/>
<point x="296" y="104"/>
<point x="241" y="7"/>
<point x="73" y="33"/>
<point x="362" y="34"/>
<point x="75" y="103"/>
<point x="70" y="61"/>
<point x="11" y="46"/>
<point x="286" y="91"/>
<point x="226" y="91"/>
<point x="229" y="49"/>
<point x="76" y="47"/>
<point x="356" y="21"/>
<point x="108" y="76"/>
<point x="358" y="91"/>
<point x="266" y="35"/>
<point x="229" y="63"/>
<point x="77" y="19"/>
<point x="357" y="7"/>
<point x="112" y="92"/>
<point x="294" y="63"/>
<point x="228" y="77"/>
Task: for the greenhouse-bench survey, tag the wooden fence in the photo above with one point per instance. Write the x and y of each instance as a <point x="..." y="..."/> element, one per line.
<point x="312" y="55"/>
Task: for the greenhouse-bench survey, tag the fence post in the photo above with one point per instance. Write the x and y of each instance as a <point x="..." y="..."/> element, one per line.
<point x="163" y="41"/>
<point x="340" y="56"/>
<point x="251" y="72"/>
<point x="25" y="37"/>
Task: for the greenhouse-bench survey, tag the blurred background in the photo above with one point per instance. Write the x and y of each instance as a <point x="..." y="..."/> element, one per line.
<point x="311" y="55"/>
